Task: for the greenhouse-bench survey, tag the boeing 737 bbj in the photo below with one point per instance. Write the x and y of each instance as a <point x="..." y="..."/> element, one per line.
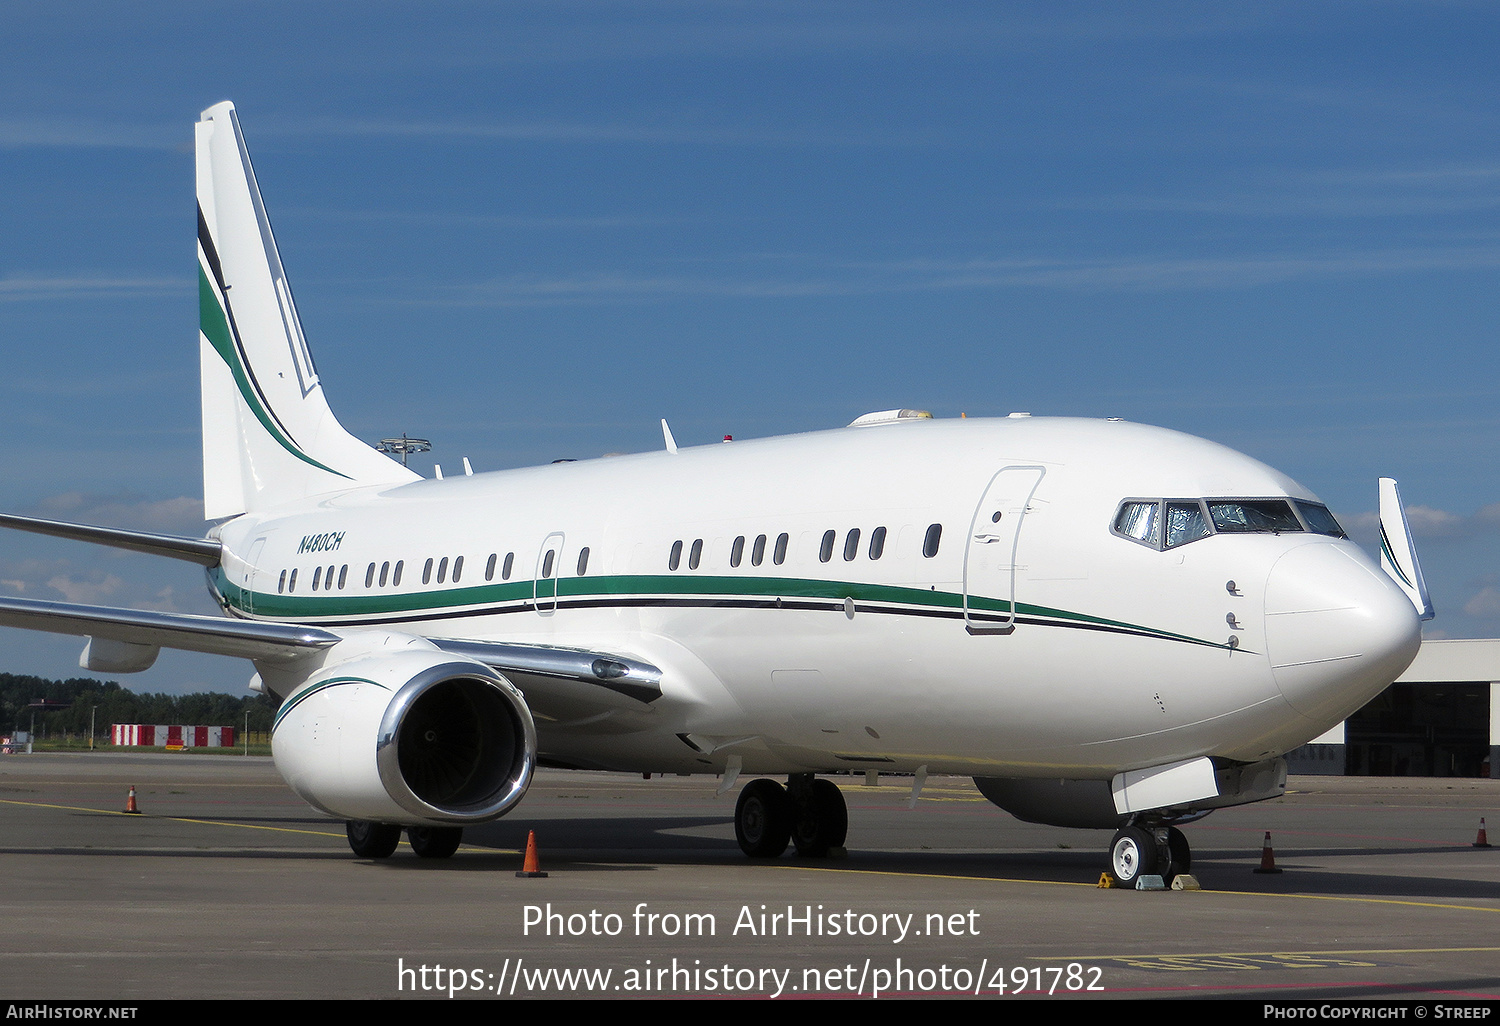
<point x="1105" y="624"/>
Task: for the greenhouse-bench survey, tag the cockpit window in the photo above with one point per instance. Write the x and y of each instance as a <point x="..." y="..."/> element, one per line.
<point x="1253" y="516"/>
<point x="1168" y="523"/>
<point x="1140" y="521"/>
<point x="1319" y="520"/>
<point x="1185" y="523"/>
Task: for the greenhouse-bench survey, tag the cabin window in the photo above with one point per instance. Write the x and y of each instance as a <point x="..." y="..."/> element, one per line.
<point x="547" y="562"/>
<point x="583" y="562"/>
<point x="370" y="576"/>
<point x="933" y="539"/>
<point x="695" y="554"/>
<point x="489" y="567"/>
<point x="396" y="575"/>
<point x="317" y="577"/>
<point x="443" y="570"/>
<point x="674" y="560"/>
<point x="458" y="568"/>
<point x="851" y="545"/>
<point x="877" y="543"/>
<point x="427" y="571"/>
<point x="281" y="584"/>
<point x="737" y="551"/>
<point x="510" y="559"/>
<point x="328" y="580"/>
<point x="825" y="550"/>
<point x="291" y="582"/>
<point x="758" y="551"/>
<point x="343" y="575"/>
<point x="385" y="570"/>
<point x="779" y="556"/>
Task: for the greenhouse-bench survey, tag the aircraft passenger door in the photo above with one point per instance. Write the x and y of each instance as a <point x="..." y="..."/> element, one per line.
<point x="991" y="550"/>
<point x="548" y="570"/>
<point x="254" y="576"/>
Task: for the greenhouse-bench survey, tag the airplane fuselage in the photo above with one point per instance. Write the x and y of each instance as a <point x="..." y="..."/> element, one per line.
<point x="1001" y="625"/>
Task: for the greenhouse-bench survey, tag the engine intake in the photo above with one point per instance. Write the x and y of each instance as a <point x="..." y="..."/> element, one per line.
<point x="413" y="737"/>
<point x="457" y="745"/>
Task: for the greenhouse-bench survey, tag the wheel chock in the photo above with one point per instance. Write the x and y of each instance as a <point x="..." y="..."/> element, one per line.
<point x="1185" y="882"/>
<point x="1150" y="882"/>
<point x="531" y="867"/>
<point x="130" y="806"/>
<point x="1482" y="841"/>
<point x="1267" y="857"/>
<point x="1106" y="882"/>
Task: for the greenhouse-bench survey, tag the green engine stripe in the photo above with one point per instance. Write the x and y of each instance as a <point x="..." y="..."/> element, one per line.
<point x="305" y="693"/>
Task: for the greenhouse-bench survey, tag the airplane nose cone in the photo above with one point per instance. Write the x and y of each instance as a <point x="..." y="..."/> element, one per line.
<point x="1338" y="631"/>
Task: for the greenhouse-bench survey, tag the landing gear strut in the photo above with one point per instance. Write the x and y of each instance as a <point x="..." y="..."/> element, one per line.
<point x="808" y="812"/>
<point x="1148" y="850"/>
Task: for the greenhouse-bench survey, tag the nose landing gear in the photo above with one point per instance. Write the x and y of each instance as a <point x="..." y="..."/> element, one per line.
<point x="808" y="812"/>
<point x="1148" y="850"/>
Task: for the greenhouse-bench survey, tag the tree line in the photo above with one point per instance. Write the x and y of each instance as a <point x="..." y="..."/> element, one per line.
<point x="109" y="703"/>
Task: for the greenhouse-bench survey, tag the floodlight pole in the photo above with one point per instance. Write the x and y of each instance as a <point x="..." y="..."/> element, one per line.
<point x="403" y="446"/>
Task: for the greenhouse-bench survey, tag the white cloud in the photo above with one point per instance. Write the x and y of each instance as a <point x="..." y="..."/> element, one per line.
<point x="86" y="592"/>
<point x="1427" y="522"/>
<point x="1485" y="605"/>
<point x="1126" y="273"/>
<point x="27" y="287"/>
<point x="182" y="515"/>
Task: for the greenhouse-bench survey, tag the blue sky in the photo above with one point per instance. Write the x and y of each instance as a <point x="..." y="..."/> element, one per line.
<point x="529" y="230"/>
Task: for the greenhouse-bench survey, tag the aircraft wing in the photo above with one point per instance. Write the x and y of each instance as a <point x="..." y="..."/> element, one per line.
<point x="568" y="681"/>
<point x="216" y="635"/>
<point x="203" y="551"/>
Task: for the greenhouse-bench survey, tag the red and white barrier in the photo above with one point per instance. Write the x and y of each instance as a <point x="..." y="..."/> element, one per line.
<point x="154" y="736"/>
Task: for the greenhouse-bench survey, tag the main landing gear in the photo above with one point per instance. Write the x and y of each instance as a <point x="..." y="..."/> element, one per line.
<point x="378" y="840"/>
<point x="808" y="812"/>
<point x="1148" y="849"/>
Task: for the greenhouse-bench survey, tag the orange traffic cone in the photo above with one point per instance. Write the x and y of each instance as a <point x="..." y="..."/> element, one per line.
<point x="1482" y="841"/>
<point x="531" y="867"/>
<point x="1267" y="857"/>
<point x="130" y="802"/>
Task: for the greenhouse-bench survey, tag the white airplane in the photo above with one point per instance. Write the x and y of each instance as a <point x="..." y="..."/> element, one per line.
<point x="1105" y="624"/>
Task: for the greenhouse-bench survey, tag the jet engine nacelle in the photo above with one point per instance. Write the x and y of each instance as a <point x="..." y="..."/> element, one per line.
<point x="414" y="737"/>
<point x="1066" y="803"/>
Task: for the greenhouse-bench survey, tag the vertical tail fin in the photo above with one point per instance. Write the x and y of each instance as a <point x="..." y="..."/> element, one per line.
<point x="268" y="434"/>
<point x="1398" y="553"/>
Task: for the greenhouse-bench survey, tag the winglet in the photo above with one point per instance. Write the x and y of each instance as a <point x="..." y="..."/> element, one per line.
<point x="1398" y="555"/>
<point x="666" y="434"/>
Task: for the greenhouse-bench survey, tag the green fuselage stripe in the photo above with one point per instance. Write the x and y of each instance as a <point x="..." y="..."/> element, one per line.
<point x="330" y="608"/>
